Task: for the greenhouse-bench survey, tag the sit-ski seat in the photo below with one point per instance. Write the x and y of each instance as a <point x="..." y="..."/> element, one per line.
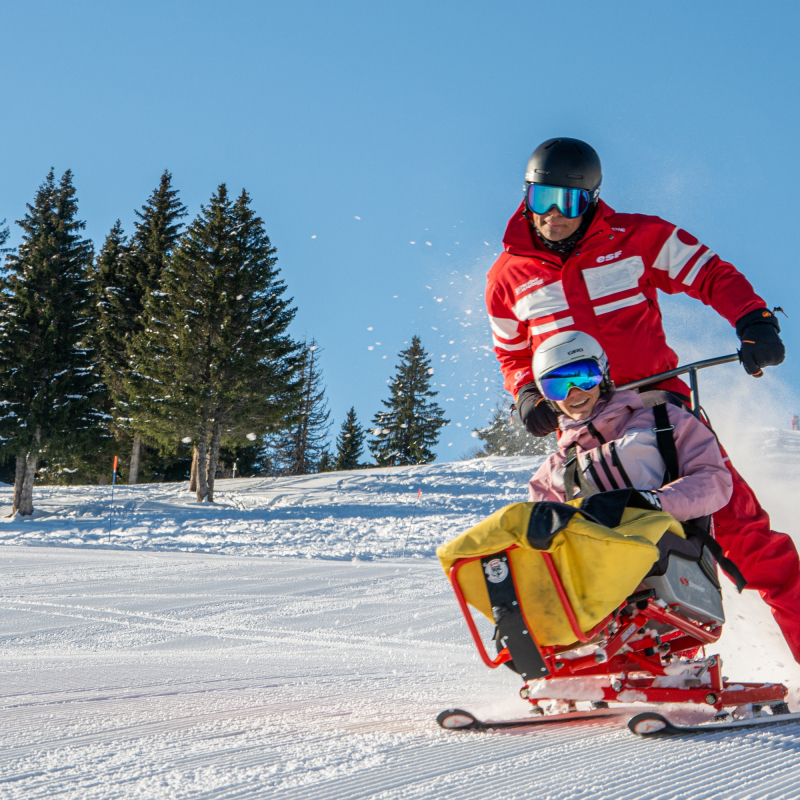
<point x="603" y="551"/>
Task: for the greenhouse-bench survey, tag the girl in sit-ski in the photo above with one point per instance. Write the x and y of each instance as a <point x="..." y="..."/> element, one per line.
<point x="612" y="439"/>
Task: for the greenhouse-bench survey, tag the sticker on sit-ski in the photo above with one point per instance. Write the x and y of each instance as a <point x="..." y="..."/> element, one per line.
<point x="496" y="570"/>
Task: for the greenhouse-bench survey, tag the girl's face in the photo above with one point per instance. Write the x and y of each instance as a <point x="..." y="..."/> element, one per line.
<point x="579" y="404"/>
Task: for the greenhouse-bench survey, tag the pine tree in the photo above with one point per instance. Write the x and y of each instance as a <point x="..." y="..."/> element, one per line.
<point x="213" y="362"/>
<point x="406" y="432"/>
<point x="49" y="378"/>
<point x="506" y="436"/>
<point x="302" y="447"/>
<point x="126" y="275"/>
<point x="4" y="234"/>
<point x="349" y="443"/>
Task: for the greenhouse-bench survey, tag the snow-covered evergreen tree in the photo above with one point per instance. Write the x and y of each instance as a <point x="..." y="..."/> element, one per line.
<point x="349" y="443"/>
<point x="506" y="436"/>
<point x="213" y="362"/>
<point x="49" y="376"/>
<point x="406" y="432"/>
<point x="301" y="448"/>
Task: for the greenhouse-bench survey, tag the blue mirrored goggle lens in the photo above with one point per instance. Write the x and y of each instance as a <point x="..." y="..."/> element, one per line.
<point x="584" y="375"/>
<point x="571" y="203"/>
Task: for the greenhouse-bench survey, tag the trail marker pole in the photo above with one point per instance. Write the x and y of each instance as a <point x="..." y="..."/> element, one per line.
<point x="113" y="484"/>
<point x="408" y="532"/>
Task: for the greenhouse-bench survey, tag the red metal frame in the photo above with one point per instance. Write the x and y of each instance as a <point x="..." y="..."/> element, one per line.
<point x="627" y="654"/>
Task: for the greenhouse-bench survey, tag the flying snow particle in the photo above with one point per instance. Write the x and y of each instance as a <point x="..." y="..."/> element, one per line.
<point x="452" y="341"/>
<point x="469" y="311"/>
<point x="358" y="217"/>
<point x="474" y="434"/>
<point x="369" y="329"/>
<point x="430" y="371"/>
<point x="186" y="439"/>
<point x="439" y="299"/>
<point x="412" y="242"/>
<point x="314" y="236"/>
<point x="378" y="343"/>
<point x="487" y="244"/>
<point x="429" y="244"/>
<point x="434" y="329"/>
<point x="239" y="296"/>
<point x="313" y="347"/>
<point x="370" y="347"/>
<point x="251" y="437"/>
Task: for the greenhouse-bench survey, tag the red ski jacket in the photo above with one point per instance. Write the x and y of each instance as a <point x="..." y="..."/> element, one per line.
<point x="607" y="287"/>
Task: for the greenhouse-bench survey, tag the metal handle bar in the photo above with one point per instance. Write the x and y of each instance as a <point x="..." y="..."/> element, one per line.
<point x="692" y="370"/>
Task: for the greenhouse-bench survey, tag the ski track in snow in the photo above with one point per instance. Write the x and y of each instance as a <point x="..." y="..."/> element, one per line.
<point x="162" y="662"/>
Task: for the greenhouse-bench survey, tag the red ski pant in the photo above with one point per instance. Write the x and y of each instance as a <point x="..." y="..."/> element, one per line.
<point x="767" y="559"/>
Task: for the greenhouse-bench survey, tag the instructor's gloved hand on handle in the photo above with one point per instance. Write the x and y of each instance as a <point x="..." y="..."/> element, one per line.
<point x="761" y="344"/>
<point x="535" y="412"/>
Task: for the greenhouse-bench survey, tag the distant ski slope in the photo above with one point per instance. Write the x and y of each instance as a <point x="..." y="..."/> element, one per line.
<point x="365" y="514"/>
<point x="148" y="668"/>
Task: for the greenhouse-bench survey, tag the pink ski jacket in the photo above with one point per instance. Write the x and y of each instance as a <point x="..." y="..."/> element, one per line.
<point x="704" y="485"/>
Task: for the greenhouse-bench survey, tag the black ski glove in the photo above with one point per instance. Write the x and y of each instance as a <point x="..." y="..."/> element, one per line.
<point x="761" y="344"/>
<point x="535" y="412"/>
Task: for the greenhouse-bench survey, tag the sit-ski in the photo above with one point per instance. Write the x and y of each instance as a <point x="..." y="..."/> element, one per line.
<point x="651" y="649"/>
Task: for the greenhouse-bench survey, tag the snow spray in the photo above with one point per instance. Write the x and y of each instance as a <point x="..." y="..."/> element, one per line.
<point x="408" y="532"/>
<point x="113" y="484"/>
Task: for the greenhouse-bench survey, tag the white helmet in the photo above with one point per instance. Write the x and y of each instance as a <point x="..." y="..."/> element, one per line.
<point x="566" y="348"/>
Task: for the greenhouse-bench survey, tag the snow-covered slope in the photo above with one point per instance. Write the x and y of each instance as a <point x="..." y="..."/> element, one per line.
<point x="366" y="514"/>
<point x="167" y="664"/>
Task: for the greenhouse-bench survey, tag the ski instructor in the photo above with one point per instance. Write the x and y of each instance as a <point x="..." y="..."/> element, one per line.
<point x="571" y="262"/>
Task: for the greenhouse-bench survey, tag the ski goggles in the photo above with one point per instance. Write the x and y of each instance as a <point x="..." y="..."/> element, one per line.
<point x="571" y="203"/>
<point x="583" y="375"/>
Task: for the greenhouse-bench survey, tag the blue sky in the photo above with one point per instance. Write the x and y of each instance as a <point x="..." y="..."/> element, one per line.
<point x="361" y="127"/>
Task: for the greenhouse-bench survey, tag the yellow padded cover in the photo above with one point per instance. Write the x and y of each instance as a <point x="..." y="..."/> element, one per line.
<point x="599" y="566"/>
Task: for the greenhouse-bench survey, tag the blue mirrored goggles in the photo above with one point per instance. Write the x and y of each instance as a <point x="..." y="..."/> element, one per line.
<point x="571" y="203"/>
<point x="584" y="375"/>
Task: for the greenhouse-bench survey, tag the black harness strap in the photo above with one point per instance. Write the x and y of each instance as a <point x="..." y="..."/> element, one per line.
<point x="666" y="442"/>
<point x="573" y="475"/>
<point x="512" y="630"/>
<point x="714" y="548"/>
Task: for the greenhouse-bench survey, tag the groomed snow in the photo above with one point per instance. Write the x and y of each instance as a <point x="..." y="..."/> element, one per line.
<point x="166" y="661"/>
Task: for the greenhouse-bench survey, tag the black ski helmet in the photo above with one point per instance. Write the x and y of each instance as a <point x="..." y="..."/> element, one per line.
<point x="566" y="162"/>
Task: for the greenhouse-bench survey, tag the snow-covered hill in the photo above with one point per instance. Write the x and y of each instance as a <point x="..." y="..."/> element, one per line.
<point x="162" y="660"/>
<point x="366" y="514"/>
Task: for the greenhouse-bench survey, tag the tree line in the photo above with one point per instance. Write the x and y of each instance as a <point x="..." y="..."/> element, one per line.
<point x="170" y="347"/>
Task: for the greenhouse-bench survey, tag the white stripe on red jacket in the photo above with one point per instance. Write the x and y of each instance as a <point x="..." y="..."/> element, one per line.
<point x="608" y="287"/>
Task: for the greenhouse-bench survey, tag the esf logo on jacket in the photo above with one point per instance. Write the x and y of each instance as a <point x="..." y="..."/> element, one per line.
<point x="609" y="257"/>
